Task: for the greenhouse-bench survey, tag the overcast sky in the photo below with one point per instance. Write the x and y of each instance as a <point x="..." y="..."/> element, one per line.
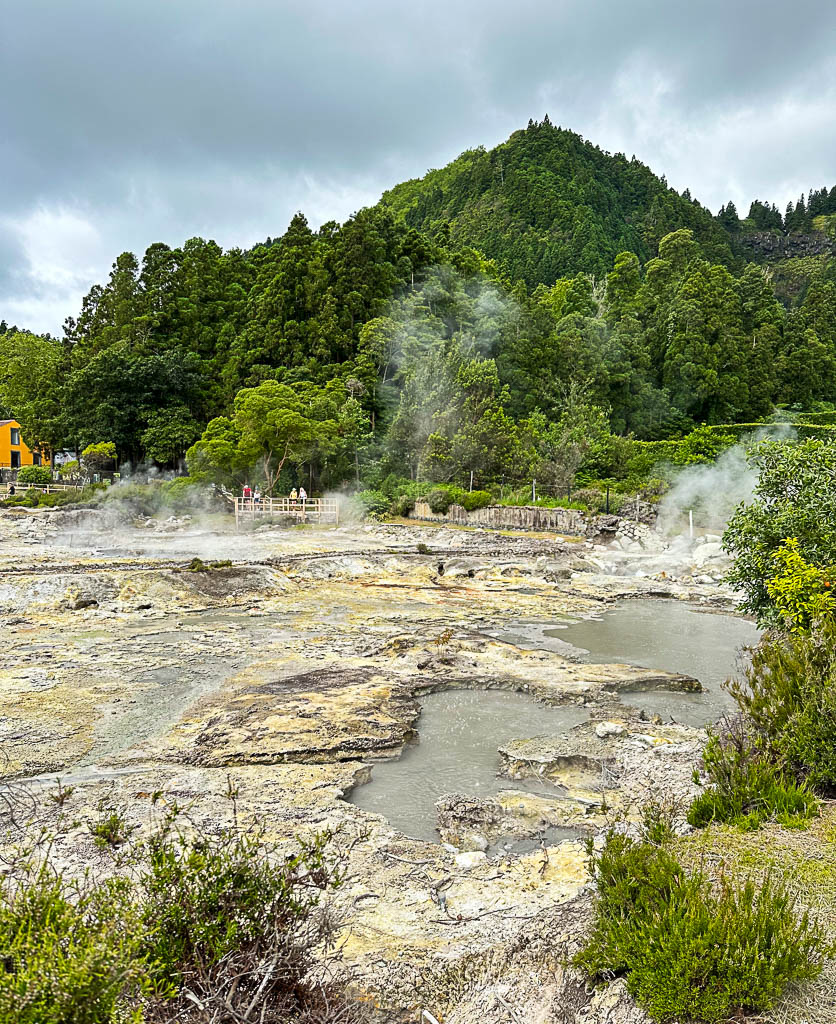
<point x="125" y="122"/>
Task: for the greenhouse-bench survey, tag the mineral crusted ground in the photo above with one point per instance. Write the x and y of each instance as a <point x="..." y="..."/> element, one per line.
<point x="288" y="674"/>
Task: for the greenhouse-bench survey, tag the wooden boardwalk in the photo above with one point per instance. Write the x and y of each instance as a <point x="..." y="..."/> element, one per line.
<point x="314" y="510"/>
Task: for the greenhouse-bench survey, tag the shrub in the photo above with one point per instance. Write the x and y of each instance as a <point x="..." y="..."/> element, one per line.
<point x="748" y="787"/>
<point x="788" y="696"/>
<point x="111" y="829"/>
<point x="471" y="500"/>
<point x="373" y="503"/>
<point x="184" y="493"/>
<point x="403" y="505"/>
<point x="802" y="593"/>
<point x="688" y="951"/>
<point x="594" y="500"/>
<point x="439" y="500"/>
<point x="33" y="498"/>
<point x="40" y="475"/>
<point x="135" y="499"/>
<point x="794" y="498"/>
<point x="219" y="920"/>
<point x="233" y="925"/>
<point x="69" y="953"/>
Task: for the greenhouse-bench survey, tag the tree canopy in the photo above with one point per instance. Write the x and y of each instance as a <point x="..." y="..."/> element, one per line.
<point x="446" y="330"/>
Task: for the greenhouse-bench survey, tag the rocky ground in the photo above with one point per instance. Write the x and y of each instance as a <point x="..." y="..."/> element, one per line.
<point x="292" y="671"/>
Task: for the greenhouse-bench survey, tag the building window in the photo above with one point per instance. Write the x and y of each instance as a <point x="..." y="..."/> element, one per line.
<point x="15" y="460"/>
<point x="15" y="435"/>
<point x="36" y="458"/>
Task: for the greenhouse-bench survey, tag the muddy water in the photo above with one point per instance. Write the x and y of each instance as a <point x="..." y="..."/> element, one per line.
<point x="667" y="635"/>
<point x="459" y="733"/>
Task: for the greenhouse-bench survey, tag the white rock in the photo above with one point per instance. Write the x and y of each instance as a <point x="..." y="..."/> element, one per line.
<point x="604" y="729"/>
<point x="469" y="860"/>
<point x="477" y="842"/>
<point x="706" y="552"/>
<point x="642" y="739"/>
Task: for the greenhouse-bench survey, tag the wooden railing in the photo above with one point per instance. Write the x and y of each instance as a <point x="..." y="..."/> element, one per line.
<point x="318" y="510"/>
<point x="48" y="488"/>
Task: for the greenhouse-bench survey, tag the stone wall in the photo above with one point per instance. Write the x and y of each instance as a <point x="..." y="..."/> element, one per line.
<point x="519" y="517"/>
<point x="568" y="521"/>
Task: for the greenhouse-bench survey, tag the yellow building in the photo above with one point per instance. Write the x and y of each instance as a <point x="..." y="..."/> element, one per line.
<point x="13" y="452"/>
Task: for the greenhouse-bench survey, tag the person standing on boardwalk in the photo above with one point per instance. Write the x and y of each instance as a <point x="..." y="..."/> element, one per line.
<point x="303" y="495"/>
<point x="293" y="494"/>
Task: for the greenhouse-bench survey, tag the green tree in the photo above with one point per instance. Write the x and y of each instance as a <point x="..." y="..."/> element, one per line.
<point x="795" y="497"/>
<point x="98" y="457"/>
<point x="169" y="433"/>
<point x="271" y="425"/>
<point x="30" y="386"/>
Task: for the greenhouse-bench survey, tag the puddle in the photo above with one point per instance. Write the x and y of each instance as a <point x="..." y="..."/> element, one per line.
<point x="667" y="635"/>
<point x="548" y="837"/>
<point x="459" y="733"/>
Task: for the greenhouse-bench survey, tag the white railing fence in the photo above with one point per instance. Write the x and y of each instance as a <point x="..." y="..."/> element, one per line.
<point x="317" y="510"/>
<point x="48" y="488"/>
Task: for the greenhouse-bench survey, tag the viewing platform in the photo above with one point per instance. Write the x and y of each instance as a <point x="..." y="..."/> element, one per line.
<point x="313" y="510"/>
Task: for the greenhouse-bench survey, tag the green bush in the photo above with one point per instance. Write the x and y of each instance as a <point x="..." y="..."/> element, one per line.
<point x="183" y="494"/>
<point x="220" y="920"/>
<point x="403" y="505"/>
<point x="39" y="475"/>
<point x="748" y="786"/>
<point x="232" y="923"/>
<point x="135" y="499"/>
<point x="111" y="828"/>
<point x="823" y="418"/>
<point x="788" y="697"/>
<point x="439" y="500"/>
<point x="393" y="485"/>
<point x="33" y="498"/>
<point x="592" y="498"/>
<point x="687" y="950"/>
<point x="374" y="503"/>
<point x="471" y="500"/>
<point x="70" y="954"/>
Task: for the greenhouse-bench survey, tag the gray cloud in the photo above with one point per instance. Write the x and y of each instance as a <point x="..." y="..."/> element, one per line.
<point x="125" y="123"/>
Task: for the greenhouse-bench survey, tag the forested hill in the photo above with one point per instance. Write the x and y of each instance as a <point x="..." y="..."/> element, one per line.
<point x="547" y="204"/>
<point x="474" y="321"/>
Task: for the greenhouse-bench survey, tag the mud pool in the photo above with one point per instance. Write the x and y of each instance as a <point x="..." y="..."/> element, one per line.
<point x="654" y="634"/>
<point x="456" y="751"/>
<point x="667" y="635"/>
<point x="459" y="731"/>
